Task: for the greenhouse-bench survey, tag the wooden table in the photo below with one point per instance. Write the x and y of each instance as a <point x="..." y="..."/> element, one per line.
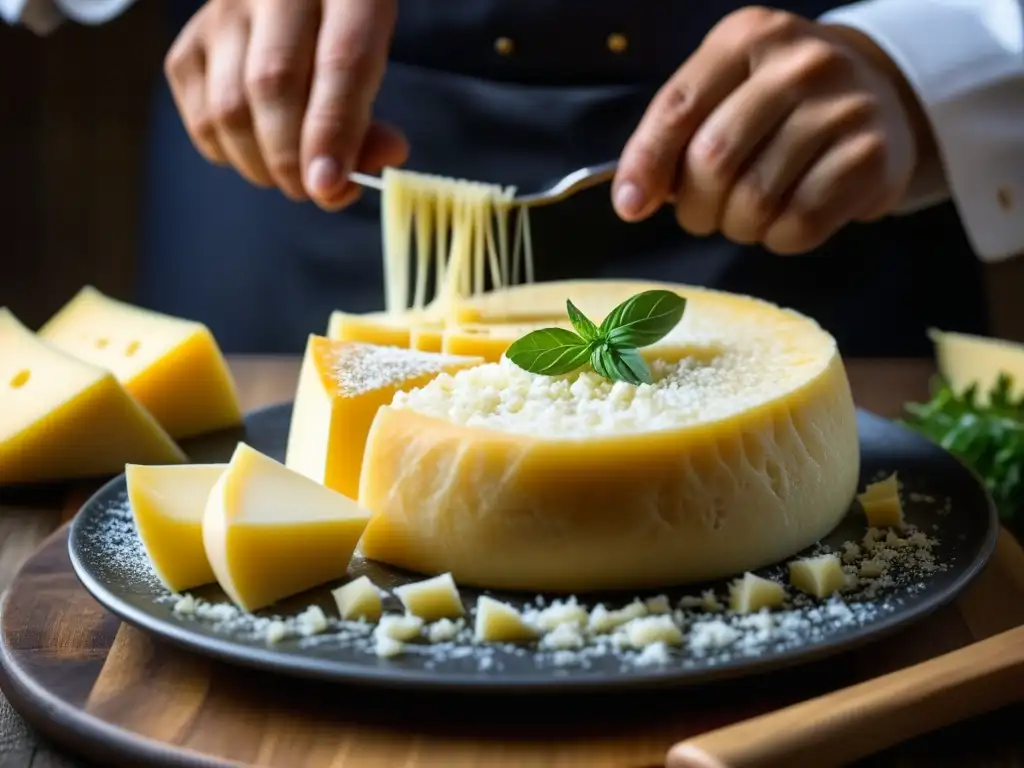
<point x="995" y="740"/>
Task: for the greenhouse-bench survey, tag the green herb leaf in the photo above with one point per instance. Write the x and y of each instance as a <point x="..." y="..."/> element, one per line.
<point x="620" y="365"/>
<point x="988" y="437"/>
<point x="636" y="365"/>
<point x="549" y="352"/>
<point x="583" y="325"/>
<point x="643" y="319"/>
<point x="602" y="362"/>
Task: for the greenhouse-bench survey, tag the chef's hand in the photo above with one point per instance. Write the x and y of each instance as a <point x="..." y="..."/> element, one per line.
<point x="283" y="91"/>
<point x="778" y="131"/>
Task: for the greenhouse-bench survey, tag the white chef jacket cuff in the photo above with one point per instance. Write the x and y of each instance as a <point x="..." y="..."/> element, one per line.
<point x="965" y="61"/>
<point x="43" y="16"/>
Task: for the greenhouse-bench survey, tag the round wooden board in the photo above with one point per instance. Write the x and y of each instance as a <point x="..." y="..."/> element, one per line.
<point x="110" y="692"/>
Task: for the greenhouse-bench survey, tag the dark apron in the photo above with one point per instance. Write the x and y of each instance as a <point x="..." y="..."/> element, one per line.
<point x="263" y="272"/>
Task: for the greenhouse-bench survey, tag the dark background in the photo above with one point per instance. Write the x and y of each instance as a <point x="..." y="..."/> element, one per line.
<point x="73" y="123"/>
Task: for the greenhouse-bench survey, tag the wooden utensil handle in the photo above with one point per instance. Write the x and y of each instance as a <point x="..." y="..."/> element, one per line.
<point x="848" y="724"/>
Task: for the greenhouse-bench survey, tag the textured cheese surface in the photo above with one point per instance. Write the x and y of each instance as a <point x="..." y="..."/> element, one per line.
<point x="270" y="533"/>
<point x="341" y="386"/>
<point x="63" y="418"/>
<point x="965" y="360"/>
<point x="168" y="503"/>
<point x="819" y="576"/>
<point x="738" y="456"/>
<point x="432" y="599"/>
<point x="172" y="366"/>
<point x="359" y="599"/>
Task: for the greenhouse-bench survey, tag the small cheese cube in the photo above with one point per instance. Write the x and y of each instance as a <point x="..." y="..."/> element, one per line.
<point x="498" y="622"/>
<point x="64" y="418"/>
<point x="398" y="627"/>
<point x="602" y="620"/>
<point x="752" y="593"/>
<point x="173" y="367"/>
<point x="819" y="576"/>
<point x="432" y="599"/>
<point x="270" y="533"/>
<point x="359" y="599"/>
<point x="341" y="386"/>
<point x="648" y="630"/>
<point x="168" y="503"/>
<point x="881" y="503"/>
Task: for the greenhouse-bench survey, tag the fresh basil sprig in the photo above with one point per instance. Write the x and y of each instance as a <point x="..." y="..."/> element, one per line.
<point x="612" y="347"/>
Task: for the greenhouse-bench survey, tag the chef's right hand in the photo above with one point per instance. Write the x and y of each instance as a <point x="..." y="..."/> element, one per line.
<point x="283" y="90"/>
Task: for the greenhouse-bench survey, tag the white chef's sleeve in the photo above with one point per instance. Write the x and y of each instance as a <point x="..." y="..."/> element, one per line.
<point x="965" y="61"/>
<point x="43" y="16"/>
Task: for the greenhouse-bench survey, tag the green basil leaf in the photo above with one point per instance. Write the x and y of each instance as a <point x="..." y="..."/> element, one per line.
<point x="643" y="319"/>
<point x="631" y="361"/>
<point x="549" y="352"/>
<point x="583" y="325"/>
<point x="601" y="362"/>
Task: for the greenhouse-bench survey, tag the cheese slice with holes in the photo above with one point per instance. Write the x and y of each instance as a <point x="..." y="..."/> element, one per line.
<point x="62" y="418"/>
<point x="270" y="533"/>
<point x="172" y="366"/>
<point x="965" y="360"/>
<point x="168" y="503"/>
<point x="739" y="456"/>
<point x="341" y="386"/>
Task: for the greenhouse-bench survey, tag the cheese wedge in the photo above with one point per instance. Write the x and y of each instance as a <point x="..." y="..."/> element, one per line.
<point x="498" y="622"/>
<point x="172" y="366"/>
<point x="168" y="503"/>
<point x="965" y="360"/>
<point x="270" y="533"/>
<point x="359" y="599"/>
<point x="881" y="503"/>
<point x="62" y="418"/>
<point x="734" y="459"/>
<point x="341" y="386"/>
<point x="371" y="328"/>
<point x="752" y="593"/>
<point x="819" y="576"/>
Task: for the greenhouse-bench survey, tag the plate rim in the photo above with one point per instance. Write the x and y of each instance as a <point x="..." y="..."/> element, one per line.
<point x="400" y="678"/>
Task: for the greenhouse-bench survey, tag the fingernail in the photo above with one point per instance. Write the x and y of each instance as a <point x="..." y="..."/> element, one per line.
<point x="629" y="199"/>
<point x="323" y="175"/>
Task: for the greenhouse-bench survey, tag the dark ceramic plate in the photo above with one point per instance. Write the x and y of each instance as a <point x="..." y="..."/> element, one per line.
<point x="942" y="499"/>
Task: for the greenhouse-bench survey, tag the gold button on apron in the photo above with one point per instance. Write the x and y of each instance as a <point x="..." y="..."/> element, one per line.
<point x="504" y="46"/>
<point x="617" y="43"/>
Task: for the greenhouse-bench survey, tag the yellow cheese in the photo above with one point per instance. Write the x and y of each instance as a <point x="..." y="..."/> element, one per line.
<point x="172" y="366"/>
<point x="372" y="328"/>
<point x="649" y="630"/>
<point x="498" y="622"/>
<point x="359" y="599"/>
<point x="341" y="386"/>
<point x="432" y="599"/>
<point x="881" y="503"/>
<point x="735" y="459"/>
<point x="751" y="593"/>
<point x="62" y="418"/>
<point x="426" y="337"/>
<point x="270" y="533"/>
<point x="819" y="576"/>
<point x="965" y="360"/>
<point x="168" y="503"/>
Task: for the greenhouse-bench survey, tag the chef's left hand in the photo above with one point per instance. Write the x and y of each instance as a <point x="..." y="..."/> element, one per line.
<point x="778" y="131"/>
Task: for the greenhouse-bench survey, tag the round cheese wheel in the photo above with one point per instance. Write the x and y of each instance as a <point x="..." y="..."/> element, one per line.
<point x="743" y="452"/>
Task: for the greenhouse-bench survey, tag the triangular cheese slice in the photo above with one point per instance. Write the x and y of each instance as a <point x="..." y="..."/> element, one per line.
<point x="62" y="418"/>
<point x="270" y="533"/>
<point x="965" y="360"/>
<point x="172" y="366"/>
<point x="168" y="503"/>
<point x="341" y="386"/>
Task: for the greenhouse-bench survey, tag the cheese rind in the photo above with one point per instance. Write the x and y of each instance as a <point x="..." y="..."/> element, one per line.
<point x="432" y="599"/>
<point x="341" y="386"/>
<point x="820" y="576"/>
<point x="168" y="503"/>
<point x="756" y="459"/>
<point x="63" y="418"/>
<point x="270" y="533"/>
<point x="173" y="367"/>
